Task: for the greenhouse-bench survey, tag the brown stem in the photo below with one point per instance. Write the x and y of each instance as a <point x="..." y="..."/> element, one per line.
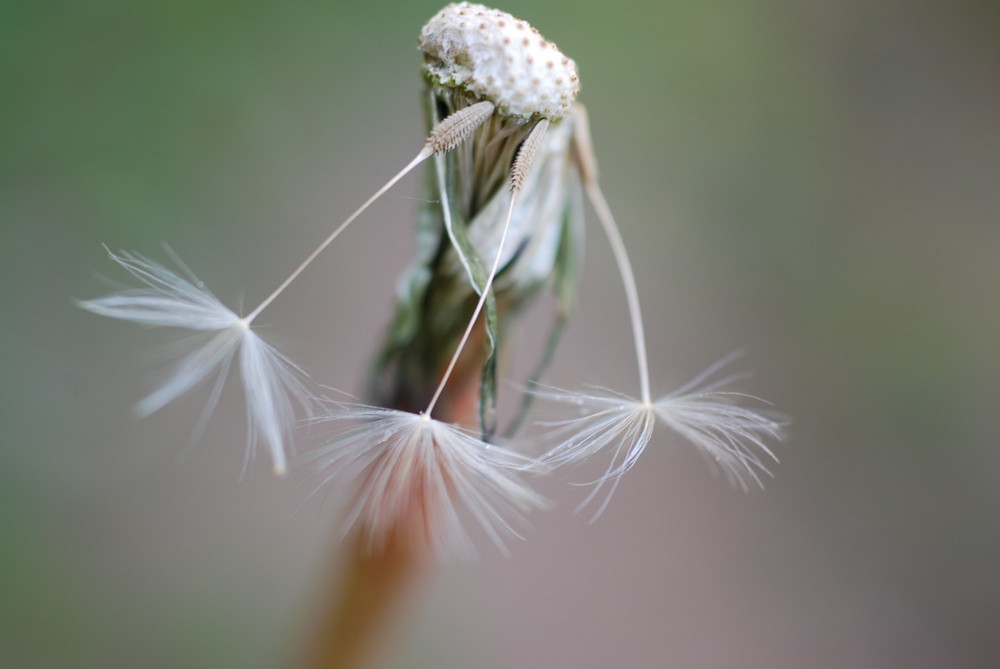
<point x="371" y="587"/>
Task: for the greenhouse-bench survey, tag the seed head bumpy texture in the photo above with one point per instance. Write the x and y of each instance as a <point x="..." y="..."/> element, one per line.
<point x="499" y="58"/>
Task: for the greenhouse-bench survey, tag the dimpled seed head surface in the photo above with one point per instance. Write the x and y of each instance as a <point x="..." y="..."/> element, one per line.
<point x="499" y="58"/>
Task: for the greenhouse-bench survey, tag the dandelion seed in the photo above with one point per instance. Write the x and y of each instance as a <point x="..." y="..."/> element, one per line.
<point x="271" y="383"/>
<point x="412" y="472"/>
<point x="728" y="434"/>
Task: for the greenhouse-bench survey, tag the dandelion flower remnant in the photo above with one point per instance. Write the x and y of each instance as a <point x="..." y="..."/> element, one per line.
<point x="502" y="220"/>
<point x="502" y="217"/>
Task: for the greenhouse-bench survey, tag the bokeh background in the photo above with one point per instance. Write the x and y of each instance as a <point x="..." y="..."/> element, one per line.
<point x="817" y="183"/>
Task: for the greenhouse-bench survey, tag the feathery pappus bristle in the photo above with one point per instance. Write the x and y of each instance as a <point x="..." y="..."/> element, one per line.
<point x="271" y="383"/>
<point x="731" y="436"/>
<point x="409" y="473"/>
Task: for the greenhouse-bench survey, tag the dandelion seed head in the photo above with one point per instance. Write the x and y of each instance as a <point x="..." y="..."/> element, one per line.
<point x="500" y="58"/>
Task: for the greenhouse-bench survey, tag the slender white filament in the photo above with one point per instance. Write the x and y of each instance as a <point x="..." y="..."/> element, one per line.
<point x="628" y="279"/>
<point x="446" y="135"/>
<point x="475" y="313"/>
<point x="424" y="154"/>
<point x="519" y="171"/>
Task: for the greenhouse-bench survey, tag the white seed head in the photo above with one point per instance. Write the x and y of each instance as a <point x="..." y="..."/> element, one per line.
<point x="499" y="58"/>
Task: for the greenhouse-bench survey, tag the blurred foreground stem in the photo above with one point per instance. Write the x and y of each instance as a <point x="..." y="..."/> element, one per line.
<point x="371" y="587"/>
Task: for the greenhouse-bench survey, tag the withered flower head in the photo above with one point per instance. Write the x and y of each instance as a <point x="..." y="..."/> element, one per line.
<point x="501" y="220"/>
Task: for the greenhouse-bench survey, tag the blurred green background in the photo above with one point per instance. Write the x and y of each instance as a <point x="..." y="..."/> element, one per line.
<point x="816" y="182"/>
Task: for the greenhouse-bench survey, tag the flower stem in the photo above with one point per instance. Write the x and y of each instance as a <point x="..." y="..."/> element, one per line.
<point x="371" y="587"/>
